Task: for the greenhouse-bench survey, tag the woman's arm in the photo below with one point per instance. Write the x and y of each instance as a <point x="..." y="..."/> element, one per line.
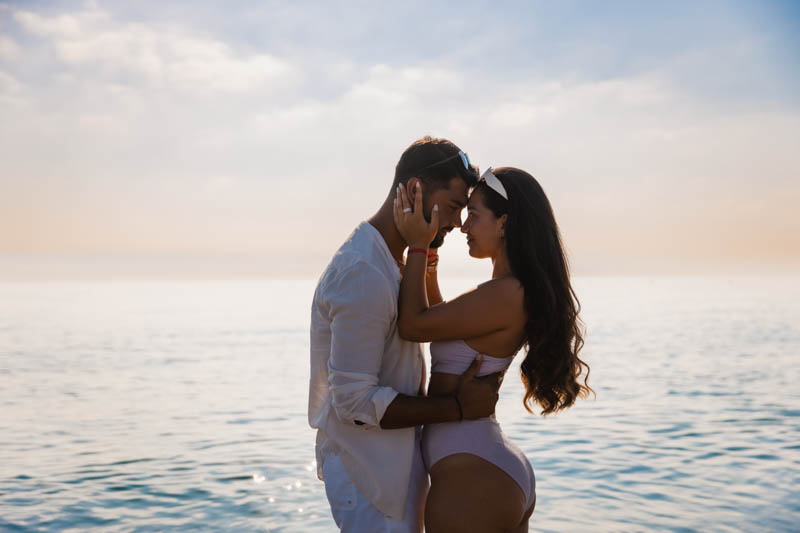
<point x="432" y="280"/>
<point x="488" y="308"/>
<point x="491" y="307"/>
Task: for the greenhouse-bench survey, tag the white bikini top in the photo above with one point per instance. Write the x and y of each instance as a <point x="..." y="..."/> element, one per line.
<point x="454" y="357"/>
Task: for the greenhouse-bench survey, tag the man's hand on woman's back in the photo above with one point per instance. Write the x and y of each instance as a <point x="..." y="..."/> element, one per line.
<point x="478" y="395"/>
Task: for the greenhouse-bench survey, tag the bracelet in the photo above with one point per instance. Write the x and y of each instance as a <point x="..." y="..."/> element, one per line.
<point x="460" y="412"/>
<point x="417" y="251"/>
<point x="432" y="264"/>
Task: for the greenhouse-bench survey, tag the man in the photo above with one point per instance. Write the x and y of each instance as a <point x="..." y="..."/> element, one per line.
<point x="366" y="394"/>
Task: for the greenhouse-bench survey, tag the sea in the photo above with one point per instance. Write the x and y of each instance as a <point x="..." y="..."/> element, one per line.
<point x="181" y="406"/>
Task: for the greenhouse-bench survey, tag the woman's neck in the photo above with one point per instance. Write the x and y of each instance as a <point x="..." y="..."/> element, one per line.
<point x="500" y="265"/>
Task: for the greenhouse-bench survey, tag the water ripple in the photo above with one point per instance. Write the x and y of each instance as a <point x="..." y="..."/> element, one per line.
<point x="182" y="407"/>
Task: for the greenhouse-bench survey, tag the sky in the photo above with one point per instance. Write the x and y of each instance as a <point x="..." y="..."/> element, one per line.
<point x="247" y="139"/>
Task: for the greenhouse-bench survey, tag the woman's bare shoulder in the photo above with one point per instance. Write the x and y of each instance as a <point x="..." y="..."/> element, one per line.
<point x="507" y="289"/>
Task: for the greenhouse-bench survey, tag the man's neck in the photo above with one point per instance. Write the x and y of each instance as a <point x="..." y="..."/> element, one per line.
<point x="383" y="221"/>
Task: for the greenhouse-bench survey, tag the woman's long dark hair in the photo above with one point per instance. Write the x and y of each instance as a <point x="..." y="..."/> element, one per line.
<point x="553" y="330"/>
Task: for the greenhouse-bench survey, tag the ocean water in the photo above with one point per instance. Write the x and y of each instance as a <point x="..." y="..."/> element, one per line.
<point x="163" y="406"/>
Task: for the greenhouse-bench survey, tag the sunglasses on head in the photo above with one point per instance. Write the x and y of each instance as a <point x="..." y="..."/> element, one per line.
<point x="464" y="160"/>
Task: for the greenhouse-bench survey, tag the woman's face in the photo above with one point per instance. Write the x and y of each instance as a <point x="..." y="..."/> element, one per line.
<point x="484" y="230"/>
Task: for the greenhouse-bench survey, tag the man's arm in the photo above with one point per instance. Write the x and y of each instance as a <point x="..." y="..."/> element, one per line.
<point x="474" y="398"/>
<point x="360" y="304"/>
<point x="408" y="411"/>
<point x="361" y="310"/>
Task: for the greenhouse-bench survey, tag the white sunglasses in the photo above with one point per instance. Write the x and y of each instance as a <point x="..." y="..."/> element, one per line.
<point x="462" y="154"/>
<point x="495" y="184"/>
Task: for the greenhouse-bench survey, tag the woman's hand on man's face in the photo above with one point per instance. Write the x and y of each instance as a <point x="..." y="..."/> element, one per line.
<point x="410" y="221"/>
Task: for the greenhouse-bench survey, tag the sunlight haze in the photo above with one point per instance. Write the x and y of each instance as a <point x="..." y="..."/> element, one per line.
<point x="169" y="140"/>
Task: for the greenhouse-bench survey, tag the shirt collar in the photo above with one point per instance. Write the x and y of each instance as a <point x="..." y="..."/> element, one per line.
<point x="376" y="236"/>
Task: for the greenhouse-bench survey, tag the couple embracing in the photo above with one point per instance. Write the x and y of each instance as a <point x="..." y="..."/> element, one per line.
<point x="381" y="429"/>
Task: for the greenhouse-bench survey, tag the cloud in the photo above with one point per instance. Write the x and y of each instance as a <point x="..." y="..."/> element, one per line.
<point x="394" y="86"/>
<point x="166" y="58"/>
<point x="62" y="26"/>
<point x="167" y="136"/>
<point x="8" y="84"/>
<point x="11" y="92"/>
<point x="535" y="103"/>
<point x="9" y="49"/>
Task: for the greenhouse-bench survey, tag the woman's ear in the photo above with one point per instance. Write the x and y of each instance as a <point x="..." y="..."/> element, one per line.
<point x="502" y="221"/>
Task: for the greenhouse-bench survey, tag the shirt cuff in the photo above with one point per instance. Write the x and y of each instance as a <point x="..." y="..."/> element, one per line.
<point x="381" y="399"/>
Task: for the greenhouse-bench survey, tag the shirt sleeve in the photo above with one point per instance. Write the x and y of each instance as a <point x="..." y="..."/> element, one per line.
<point x="362" y="311"/>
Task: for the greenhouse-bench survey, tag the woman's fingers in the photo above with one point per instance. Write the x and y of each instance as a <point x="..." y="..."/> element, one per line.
<point x="434" y="223"/>
<point x="404" y="197"/>
<point x="418" y="206"/>
<point x="411" y="221"/>
<point x="398" y="202"/>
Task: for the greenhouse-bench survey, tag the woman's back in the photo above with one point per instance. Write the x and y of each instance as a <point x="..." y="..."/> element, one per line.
<point x="449" y="359"/>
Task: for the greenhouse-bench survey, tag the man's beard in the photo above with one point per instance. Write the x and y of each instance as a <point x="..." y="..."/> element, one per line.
<point x="439" y="239"/>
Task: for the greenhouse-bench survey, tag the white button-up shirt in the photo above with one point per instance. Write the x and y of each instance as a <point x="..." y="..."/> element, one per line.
<point x="359" y="364"/>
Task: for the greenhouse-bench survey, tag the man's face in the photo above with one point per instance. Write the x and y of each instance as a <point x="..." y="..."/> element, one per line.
<point x="452" y="201"/>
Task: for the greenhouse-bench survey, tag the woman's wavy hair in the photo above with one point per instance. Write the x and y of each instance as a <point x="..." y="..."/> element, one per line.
<point x="553" y="331"/>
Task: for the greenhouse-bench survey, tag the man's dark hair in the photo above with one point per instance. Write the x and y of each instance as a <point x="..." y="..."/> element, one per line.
<point x="435" y="162"/>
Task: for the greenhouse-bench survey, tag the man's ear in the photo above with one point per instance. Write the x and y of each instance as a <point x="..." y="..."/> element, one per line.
<point x="411" y="186"/>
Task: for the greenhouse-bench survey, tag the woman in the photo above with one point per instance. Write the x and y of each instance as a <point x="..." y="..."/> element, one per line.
<point x="480" y="481"/>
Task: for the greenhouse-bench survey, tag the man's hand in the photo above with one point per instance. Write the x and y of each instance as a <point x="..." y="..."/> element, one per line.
<point x="478" y="396"/>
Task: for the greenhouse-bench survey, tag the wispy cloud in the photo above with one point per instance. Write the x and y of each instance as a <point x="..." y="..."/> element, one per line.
<point x="166" y="58"/>
<point x="133" y="130"/>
